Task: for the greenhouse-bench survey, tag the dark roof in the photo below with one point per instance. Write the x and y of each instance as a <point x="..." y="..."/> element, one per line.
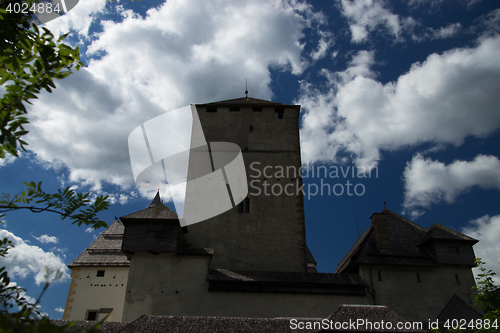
<point x="295" y="282"/>
<point x="156" y="201"/>
<point x="247" y="101"/>
<point x="438" y="231"/>
<point x="180" y="324"/>
<point x="406" y="238"/>
<point x="83" y="325"/>
<point x="456" y="308"/>
<point x="105" y="250"/>
<point x="159" y="211"/>
<point x="369" y="313"/>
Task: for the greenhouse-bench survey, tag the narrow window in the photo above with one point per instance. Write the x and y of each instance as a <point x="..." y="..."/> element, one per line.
<point x="91" y="315"/>
<point x="418" y="277"/>
<point x="457" y="278"/>
<point x="257" y="108"/>
<point x="280" y="112"/>
<point x="379" y="273"/>
<point x="234" y="108"/>
<point x="245" y="206"/>
<point x="100" y="273"/>
<point x="211" y="109"/>
<point x="251" y="128"/>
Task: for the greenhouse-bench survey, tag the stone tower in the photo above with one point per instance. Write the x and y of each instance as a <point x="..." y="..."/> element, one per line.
<point x="266" y="232"/>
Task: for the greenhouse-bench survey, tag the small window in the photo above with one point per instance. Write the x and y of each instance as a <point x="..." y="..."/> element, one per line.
<point x="234" y="108"/>
<point x="257" y="108"/>
<point x="379" y="273"/>
<point x="280" y="112"/>
<point x="251" y="128"/>
<point x="418" y="278"/>
<point x="211" y="109"/>
<point x="457" y="278"/>
<point x="245" y="206"/>
<point x="100" y="273"/>
<point x="91" y="315"/>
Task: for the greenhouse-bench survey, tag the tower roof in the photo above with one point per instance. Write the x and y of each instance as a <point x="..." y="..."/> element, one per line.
<point x="247" y="101"/>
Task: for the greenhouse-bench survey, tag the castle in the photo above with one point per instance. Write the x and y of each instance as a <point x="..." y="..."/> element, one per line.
<point x="253" y="261"/>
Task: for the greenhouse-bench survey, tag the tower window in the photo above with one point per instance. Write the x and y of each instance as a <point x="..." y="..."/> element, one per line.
<point x="100" y="273"/>
<point x="245" y="206"/>
<point x="379" y="273"/>
<point x="418" y="277"/>
<point x="280" y="112"/>
<point x="257" y="108"/>
<point x="457" y="278"/>
<point x="211" y="109"/>
<point x="91" y="315"/>
<point x="234" y="108"/>
<point x="251" y="128"/>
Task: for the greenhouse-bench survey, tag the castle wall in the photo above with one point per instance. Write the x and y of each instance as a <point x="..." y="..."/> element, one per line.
<point x="270" y="236"/>
<point x="419" y="297"/>
<point x="95" y="293"/>
<point x="173" y="285"/>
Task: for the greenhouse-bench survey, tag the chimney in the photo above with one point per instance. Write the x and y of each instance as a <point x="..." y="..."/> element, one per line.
<point x="382" y="237"/>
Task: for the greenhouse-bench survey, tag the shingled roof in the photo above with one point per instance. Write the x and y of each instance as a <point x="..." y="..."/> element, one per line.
<point x="405" y="237"/>
<point x="154" y="211"/>
<point x="180" y="324"/>
<point x="374" y="314"/>
<point x="105" y="250"/>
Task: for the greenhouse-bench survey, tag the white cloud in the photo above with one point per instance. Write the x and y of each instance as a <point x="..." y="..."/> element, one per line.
<point x="59" y="309"/>
<point x="443" y="100"/>
<point x="8" y="159"/>
<point x="181" y="52"/>
<point x="428" y="182"/>
<point x="446" y="32"/>
<point x="89" y="230"/>
<point x="79" y="18"/>
<point x="486" y="229"/>
<point x="365" y="16"/>
<point x="44" y="239"/>
<point x="24" y="260"/>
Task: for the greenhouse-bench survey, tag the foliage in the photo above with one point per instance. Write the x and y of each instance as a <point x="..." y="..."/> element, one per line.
<point x="67" y="203"/>
<point x="30" y="60"/>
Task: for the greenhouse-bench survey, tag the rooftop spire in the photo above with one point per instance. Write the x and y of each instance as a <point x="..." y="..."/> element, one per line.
<point x="156" y="201"/>
<point x="246" y="88"/>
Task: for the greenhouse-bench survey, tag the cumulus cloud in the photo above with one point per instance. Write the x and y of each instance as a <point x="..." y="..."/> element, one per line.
<point x="59" y="309"/>
<point x="429" y="182"/>
<point x="24" y="260"/>
<point x="443" y="100"/>
<point x="486" y="229"/>
<point x="181" y="52"/>
<point x="44" y="239"/>
<point x="78" y="19"/>
<point x="364" y="16"/>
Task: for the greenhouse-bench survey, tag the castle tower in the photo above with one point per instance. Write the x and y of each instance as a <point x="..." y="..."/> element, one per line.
<point x="266" y="232"/>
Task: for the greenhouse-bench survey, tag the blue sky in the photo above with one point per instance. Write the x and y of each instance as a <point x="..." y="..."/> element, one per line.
<point x="409" y="87"/>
